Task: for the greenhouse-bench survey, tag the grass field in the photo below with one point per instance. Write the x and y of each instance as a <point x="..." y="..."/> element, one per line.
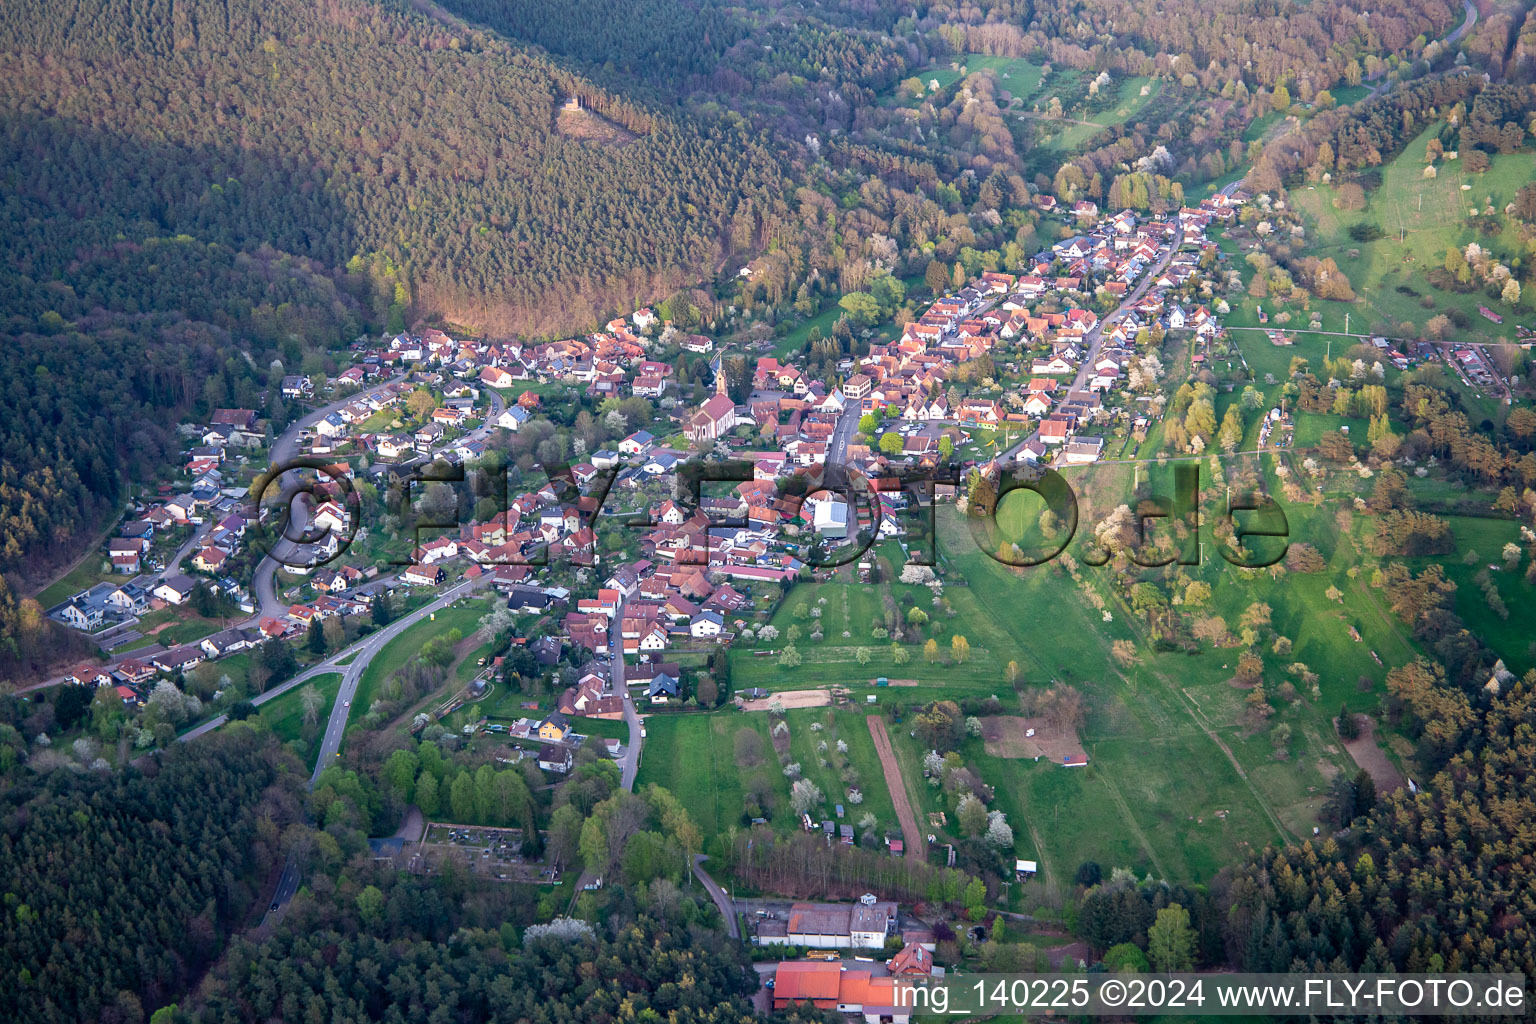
<point x="694" y="757"/>
<point x="82" y="577"/>
<point x="464" y="616"/>
<point x="854" y="609"/>
<point x="1178" y="783"/>
<point x="793" y="340"/>
<point x="1182" y="778"/>
<point x="285" y="715"/>
<point x="1421" y="217"/>
<point x="1130" y="100"/>
<point x="1015" y="75"/>
<point x="849" y="727"/>
<point x="1511" y="638"/>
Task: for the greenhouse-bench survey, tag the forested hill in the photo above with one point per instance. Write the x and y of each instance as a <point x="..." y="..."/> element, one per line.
<point x="657" y="39"/>
<point x="348" y="127"/>
<point x="191" y="190"/>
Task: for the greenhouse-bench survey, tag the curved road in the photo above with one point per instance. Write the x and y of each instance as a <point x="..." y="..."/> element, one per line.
<point x="1469" y="19"/>
<point x="361" y="653"/>
<point x="286" y="447"/>
<point x="193" y="543"/>
<point x="722" y="901"/>
<point x="364" y="649"/>
<point x="335" y="727"/>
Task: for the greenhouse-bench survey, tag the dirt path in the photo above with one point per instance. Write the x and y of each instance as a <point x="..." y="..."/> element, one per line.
<point x="917" y="843"/>
<point x="1369" y="755"/>
<point x="1047" y="869"/>
<point x="1130" y="823"/>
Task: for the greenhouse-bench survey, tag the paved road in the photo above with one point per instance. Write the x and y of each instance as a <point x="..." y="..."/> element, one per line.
<point x="842" y="434"/>
<point x="629" y="766"/>
<point x="1469" y="19"/>
<point x="365" y="649"/>
<point x="727" y="908"/>
<point x="193" y="543"/>
<point x="335" y="726"/>
<point x="285" y="447"/>
<point x="1095" y="337"/>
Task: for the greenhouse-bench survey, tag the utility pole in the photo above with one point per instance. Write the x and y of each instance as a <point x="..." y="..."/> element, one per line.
<point x="1346" y="323"/>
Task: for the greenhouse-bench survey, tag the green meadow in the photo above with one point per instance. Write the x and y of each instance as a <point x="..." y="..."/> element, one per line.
<point x="1420" y="219"/>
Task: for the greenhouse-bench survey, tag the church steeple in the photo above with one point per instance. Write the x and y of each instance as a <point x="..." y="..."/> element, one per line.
<point x="720" y="388"/>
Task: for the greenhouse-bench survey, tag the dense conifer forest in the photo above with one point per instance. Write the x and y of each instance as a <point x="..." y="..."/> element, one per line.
<point x="122" y="887"/>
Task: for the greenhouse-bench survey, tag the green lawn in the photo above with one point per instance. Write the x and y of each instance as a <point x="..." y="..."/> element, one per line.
<point x="694" y="756"/>
<point x="850" y="727"/>
<point x="854" y="609"/>
<point x="793" y="340"/>
<point x="1017" y="76"/>
<point x="82" y="577"/>
<point x="284" y="715"/>
<point x="1182" y="779"/>
<point x="1511" y="637"/>
<point x="1130" y="100"/>
<point x="465" y="617"/>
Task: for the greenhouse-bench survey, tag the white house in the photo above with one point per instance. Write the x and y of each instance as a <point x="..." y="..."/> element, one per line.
<point x="175" y="589"/>
<point x="331" y="426"/>
<point x="331" y="516"/>
<point x="512" y="418"/>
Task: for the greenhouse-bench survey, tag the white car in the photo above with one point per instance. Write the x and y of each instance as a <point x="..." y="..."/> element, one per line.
<point x="346" y="703"/>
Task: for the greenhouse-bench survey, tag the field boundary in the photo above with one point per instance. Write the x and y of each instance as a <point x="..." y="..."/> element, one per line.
<point x="917" y="841"/>
<point x="1130" y="821"/>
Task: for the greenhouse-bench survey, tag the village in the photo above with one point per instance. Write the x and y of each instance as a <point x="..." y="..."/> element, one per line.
<point x="442" y="475"/>
<point x="1058" y="379"/>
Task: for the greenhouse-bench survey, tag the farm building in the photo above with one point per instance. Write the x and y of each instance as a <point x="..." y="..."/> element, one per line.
<point x="863" y="925"/>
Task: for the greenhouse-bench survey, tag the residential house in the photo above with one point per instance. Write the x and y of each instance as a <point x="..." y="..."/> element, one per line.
<point x="423" y="575"/>
<point x="175" y="589"/>
<point x="555" y="728"/>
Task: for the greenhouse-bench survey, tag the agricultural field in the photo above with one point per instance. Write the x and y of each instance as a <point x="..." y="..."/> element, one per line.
<point x="849" y="614"/>
<point x="1180" y="779"/>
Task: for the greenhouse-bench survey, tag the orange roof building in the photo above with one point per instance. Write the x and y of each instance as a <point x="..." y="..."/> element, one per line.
<point x="828" y="985"/>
